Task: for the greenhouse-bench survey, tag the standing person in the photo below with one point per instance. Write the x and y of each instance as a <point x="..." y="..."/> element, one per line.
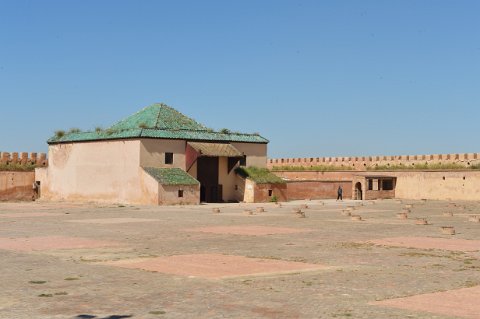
<point x="340" y="193"/>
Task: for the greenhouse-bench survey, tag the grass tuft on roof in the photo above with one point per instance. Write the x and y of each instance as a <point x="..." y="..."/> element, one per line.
<point x="157" y="121"/>
<point x="259" y="175"/>
<point x="171" y="176"/>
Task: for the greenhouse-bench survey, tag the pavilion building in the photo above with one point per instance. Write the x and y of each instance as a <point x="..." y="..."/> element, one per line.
<point x="156" y="156"/>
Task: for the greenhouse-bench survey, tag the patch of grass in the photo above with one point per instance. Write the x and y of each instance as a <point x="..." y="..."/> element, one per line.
<point x="354" y="245"/>
<point x="274" y="199"/>
<point x="74" y="130"/>
<point x="98" y="129"/>
<point x="110" y="131"/>
<point x="259" y="175"/>
<point x="316" y="168"/>
<point x="71" y="278"/>
<point x="61" y="293"/>
<point x="157" y="312"/>
<point x="344" y="313"/>
<point x="426" y="166"/>
<point x="37" y="282"/>
<point x="45" y="295"/>
<point x="470" y="283"/>
<point x="17" y="167"/>
<point x="395" y="167"/>
<point x="59" y="133"/>
<point x="225" y="131"/>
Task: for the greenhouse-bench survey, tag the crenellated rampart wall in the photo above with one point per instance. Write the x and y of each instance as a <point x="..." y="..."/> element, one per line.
<point x="362" y="163"/>
<point x="17" y="176"/>
<point x="23" y="158"/>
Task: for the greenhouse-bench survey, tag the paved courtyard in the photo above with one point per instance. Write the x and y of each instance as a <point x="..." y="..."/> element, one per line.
<point x="78" y="261"/>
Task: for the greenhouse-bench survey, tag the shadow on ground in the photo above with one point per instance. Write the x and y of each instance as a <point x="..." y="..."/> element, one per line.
<point x="108" y="317"/>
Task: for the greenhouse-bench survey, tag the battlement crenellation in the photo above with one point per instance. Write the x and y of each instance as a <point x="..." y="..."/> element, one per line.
<point x="23" y="158"/>
<point x="361" y="163"/>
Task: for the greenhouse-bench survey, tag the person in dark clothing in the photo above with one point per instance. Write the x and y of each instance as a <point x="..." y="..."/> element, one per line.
<point x="340" y="193"/>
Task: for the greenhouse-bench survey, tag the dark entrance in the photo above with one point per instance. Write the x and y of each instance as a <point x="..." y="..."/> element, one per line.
<point x="358" y="191"/>
<point x="207" y="175"/>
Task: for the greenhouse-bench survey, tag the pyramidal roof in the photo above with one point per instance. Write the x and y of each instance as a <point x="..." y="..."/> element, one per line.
<point x="157" y="121"/>
<point x="160" y="117"/>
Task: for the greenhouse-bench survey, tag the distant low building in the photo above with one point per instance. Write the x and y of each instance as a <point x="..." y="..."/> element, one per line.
<point x="156" y="156"/>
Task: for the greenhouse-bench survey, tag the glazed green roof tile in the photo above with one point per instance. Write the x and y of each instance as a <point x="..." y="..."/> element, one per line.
<point x="158" y="117"/>
<point x="158" y="121"/>
<point x="171" y="176"/>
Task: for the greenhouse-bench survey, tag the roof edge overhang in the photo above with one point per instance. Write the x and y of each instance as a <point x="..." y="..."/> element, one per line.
<point x="49" y="142"/>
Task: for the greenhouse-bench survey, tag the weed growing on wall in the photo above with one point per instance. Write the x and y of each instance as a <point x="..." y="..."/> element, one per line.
<point x="17" y="167"/>
<point x="259" y="175"/>
<point x="426" y="166"/>
<point x="316" y="168"/>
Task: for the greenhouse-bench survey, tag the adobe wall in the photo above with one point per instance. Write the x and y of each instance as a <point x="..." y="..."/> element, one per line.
<point x="107" y="171"/>
<point x="436" y="185"/>
<point x="316" y="176"/>
<point x="152" y="153"/>
<point x="361" y="163"/>
<point x="318" y="189"/>
<point x="256" y="153"/>
<point x="258" y="193"/>
<point x="168" y="195"/>
<point x="16" y="185"/>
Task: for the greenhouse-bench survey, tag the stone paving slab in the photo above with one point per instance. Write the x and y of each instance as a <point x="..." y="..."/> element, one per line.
<point x="215" y="266"/>
<point x="430" y="243"/>
<point x="248" y="230"/>
<point x="47" y="280"/>
<point x="462" y="303"/>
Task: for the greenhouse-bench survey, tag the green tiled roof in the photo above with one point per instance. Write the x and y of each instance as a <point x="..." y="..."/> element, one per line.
<point x="158" y="121"/>
<point x="171" y="176"/>
<point x="159" y="117"/>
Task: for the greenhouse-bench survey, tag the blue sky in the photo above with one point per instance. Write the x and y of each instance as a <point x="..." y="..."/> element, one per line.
<point x="318" y="78"/>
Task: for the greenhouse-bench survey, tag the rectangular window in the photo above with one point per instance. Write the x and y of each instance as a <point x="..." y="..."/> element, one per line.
<point x="370" y="184"/>
<point x="243" y="160"/>
<point x="388" y="184"/>
<point x="168" y="158"/>
<point x="270" y="192"/>
<point x="180" y="193"/>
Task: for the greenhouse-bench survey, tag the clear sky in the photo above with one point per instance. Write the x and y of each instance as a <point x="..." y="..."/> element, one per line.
<point x="317" y="78"/>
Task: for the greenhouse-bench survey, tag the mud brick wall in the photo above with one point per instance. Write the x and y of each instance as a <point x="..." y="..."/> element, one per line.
<point x="318" y="189"/>
<point x="278" y="190"/>
<point x="361" y="163"/>
<point x="16" y="185"/>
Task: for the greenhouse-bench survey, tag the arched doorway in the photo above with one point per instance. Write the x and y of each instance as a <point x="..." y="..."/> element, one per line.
<point x="358" y="191"/>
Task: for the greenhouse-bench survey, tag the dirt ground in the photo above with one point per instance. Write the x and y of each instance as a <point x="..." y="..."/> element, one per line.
<point x="81" y="261"/>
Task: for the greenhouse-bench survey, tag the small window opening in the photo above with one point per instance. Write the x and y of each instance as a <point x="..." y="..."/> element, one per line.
<point x="270" y="192"/>
<point x="387" y="184"/>
<point x="243" y="161"/>
<point x="443" y="177"/>
<point x="236" y="187"/>
<point x="463" y="177"/>
<point x="180" y="193"/>
<point x="370" y="184"/>
<point x="168" y="158"/>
